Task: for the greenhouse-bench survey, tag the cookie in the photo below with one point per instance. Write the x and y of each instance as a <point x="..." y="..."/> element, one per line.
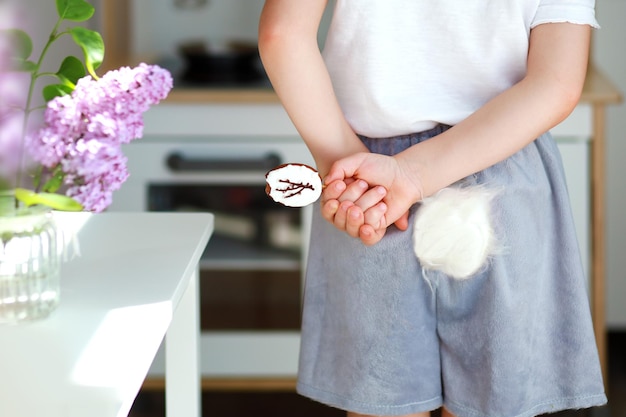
<point x="293" y="185"/>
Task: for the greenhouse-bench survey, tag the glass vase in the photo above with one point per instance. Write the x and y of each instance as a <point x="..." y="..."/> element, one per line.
<point x="30" y="264"/>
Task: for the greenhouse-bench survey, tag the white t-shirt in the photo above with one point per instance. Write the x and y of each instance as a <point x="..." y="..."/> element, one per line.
<point x="402" y="66"/>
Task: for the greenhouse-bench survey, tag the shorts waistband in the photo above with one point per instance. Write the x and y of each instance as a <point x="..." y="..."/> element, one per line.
<point x="394" y="144"/>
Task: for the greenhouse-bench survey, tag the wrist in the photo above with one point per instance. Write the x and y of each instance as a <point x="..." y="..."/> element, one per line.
<point x="411" y="174"/>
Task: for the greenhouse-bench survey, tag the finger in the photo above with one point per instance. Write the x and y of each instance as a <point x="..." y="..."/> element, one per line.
<point x="403" y="222"/>
<point x="329" y="209"/>
<point x="375" y="216"/>
<point x="397" y="213"/>
<point x="370" y="236"/>
<point x="354" y="191"/>
<point x="354" y="220"/>
<point x="342" y="214"/>
<point x="333" y="190"/>
<point x="371" y="198"/>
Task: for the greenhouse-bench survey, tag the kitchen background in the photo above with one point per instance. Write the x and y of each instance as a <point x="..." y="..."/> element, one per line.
<point x="157" y="29"/>
<point x="160" y="27"/>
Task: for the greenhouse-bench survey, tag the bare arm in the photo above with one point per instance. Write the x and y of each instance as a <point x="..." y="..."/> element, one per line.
<point x="292" y="59"/>
<point x="557" y="63"/>
<point x="290" y="54"/>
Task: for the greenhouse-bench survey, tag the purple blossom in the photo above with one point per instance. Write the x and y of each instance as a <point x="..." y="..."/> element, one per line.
<point x="94" y="173"/>
<point x="84" y="131"/>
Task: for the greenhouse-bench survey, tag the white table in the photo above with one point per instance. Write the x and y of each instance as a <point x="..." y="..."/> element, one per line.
<point x="134" y="282"/>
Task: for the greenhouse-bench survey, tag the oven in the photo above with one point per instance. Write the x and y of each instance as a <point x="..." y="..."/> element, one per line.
<point x="251" y="271"/>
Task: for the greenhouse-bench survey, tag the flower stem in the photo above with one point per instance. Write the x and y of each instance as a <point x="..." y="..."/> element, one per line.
<point x="29" y="98"/>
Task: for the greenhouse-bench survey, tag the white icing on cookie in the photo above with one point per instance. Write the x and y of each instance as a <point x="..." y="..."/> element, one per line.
<point x="293" y="185"/>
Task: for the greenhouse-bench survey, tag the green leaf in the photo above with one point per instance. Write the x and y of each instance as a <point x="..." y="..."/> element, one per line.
<point x="75" y="10"/>
<point x="92" y="45"/>
<point x="54" y="183"/>
<point x="22" y="45"/>
<point x="37" y="175"/>
<point x="71" y="71"/>
<point x="55" y="90"/>
<point x="54" y="201"/>
<point x="25" y="66"/>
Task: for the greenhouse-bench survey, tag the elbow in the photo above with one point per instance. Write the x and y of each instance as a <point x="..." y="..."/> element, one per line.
<point x="271" y="38"/>
<point x="571" y="93"/>
<point x="566" y="98"/>
<point x="556" y="91"/>
<point x="566" y="88"/>
<point x="556" y="98"/>
<point x="271" y="44"/>
<point x="280" y="38"/>
<point x="267" y="37"/>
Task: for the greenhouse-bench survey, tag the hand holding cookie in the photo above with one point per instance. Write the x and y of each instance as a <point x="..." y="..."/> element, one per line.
<point x="350" y="205"/>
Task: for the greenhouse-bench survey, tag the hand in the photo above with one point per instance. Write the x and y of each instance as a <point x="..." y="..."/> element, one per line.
<point x="391" y="173"/>
<point x="354" y="207"/>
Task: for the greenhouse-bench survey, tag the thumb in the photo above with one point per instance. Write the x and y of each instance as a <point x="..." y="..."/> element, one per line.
<point x="344" y="168"/>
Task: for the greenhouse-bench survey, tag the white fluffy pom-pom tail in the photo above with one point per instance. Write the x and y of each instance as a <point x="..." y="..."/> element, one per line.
<point x="453" y="232"/>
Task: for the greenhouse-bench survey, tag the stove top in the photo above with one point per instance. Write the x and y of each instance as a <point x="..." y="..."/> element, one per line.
<point x="228" y="78"/>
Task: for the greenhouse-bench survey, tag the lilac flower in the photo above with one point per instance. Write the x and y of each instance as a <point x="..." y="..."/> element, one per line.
<point x="84" y="131"/>
<point x="96" y="171"/>
<point x="124" y="95"/>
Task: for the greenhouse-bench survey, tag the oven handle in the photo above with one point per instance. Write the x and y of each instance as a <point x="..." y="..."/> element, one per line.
<point x="180" y="163"/>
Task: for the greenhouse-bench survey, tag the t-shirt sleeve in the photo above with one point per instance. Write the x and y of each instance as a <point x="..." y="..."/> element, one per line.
<point x="573" y="11"/>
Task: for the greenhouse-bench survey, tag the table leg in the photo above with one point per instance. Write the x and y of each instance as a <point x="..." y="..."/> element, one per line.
<point x="182" y="370"/>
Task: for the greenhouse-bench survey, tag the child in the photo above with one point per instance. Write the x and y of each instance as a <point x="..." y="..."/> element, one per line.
<point x="409" y="97"/>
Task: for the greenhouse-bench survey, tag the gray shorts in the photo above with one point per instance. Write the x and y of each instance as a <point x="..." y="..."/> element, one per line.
<point x="381" y="338"/>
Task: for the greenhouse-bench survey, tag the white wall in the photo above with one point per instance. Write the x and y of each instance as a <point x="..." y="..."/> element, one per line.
<point x="609" y="54"/>
<point x="38" y="18"/>
<point x="160" y="26"/>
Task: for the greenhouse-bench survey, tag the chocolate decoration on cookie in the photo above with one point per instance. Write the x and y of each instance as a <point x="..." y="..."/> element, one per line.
<point x="293" y="185"/>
